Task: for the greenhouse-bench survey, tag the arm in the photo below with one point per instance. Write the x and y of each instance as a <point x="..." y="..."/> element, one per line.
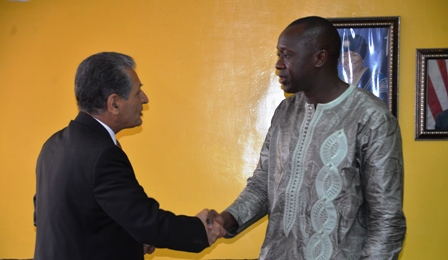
<point x="382" y="180"/>
<point x="214" y="230"/>
<point x="252" y="203"/>
<point x="119" y="195"/>
<point x="247" y="209"/>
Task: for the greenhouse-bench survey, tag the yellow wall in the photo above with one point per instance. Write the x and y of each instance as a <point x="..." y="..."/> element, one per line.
<point x="208" y="69"/>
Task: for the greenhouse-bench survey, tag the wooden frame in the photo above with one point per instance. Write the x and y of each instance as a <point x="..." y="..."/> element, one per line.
<point x="381" y="58"/>
<point x="431" y="95"/>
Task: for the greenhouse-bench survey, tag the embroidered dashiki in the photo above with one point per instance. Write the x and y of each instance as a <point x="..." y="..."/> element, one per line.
<point x="330" y="179"/>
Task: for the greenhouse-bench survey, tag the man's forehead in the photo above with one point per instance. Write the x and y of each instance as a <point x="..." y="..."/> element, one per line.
<point x="289" y="39"/>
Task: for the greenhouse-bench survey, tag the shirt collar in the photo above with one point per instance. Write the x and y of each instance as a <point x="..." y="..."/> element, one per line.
<point x="109" y="130"/>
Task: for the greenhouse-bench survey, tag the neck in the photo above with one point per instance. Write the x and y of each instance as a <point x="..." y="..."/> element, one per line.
<point x="107" y="119"/>
<point x="326" y="93"/>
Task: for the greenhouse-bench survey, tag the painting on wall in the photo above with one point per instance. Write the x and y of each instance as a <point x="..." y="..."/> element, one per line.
<point x="431" y="95"/>
<point x="369" y="55"/>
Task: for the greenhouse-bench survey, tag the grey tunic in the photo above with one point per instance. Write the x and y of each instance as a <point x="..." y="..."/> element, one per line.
<point x="331" y="180"/>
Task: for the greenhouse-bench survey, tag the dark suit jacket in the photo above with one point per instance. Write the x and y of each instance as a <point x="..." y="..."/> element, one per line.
<point x="442" y="120"/>
<point x="89" y="205"/>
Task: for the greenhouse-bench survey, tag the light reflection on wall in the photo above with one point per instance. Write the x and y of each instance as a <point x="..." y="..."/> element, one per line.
<point x="265" y="110"/>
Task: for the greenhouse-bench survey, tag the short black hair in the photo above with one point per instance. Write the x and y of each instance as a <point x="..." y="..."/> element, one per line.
<point x="322" y="33"/>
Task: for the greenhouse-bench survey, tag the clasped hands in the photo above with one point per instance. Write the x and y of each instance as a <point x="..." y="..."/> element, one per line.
<point x="213" y="223"/>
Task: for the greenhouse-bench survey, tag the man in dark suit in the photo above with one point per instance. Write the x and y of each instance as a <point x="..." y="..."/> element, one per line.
<point x="442" y="120"/>
<point x="88" y="203"/>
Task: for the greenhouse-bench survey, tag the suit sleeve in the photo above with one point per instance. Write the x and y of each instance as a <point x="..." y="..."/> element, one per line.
<point x="119" y="194"/>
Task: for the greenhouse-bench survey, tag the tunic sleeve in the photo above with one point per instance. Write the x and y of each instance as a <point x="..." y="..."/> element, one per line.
<point x="382" y="180"/>
<point x="252" y="203"/>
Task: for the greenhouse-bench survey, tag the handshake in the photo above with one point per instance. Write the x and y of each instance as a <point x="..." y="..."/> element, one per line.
<point x="216" y="226"/>
<point x="213" y="223"/>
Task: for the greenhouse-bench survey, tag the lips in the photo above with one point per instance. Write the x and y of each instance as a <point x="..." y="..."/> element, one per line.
<point x="282" y="79"/>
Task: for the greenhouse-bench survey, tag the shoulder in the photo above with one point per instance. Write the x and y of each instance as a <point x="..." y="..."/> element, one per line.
<point x="361" y="96"/>
<point x="295" y="100"/>
<point x="288" y="106"/>
<point x="370" y="109"/>
<point x="83" y="136"/>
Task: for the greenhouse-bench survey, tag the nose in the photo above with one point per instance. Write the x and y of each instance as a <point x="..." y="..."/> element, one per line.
<point x="279" y="65"/>
<point x="145" y="99"/>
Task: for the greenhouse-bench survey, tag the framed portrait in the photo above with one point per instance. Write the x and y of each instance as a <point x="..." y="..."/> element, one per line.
<point x="369" y="55"/>
<point x="431" y="94"/>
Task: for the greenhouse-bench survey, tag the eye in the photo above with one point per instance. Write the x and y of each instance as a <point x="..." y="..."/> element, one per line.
<point x="285" y="55"/>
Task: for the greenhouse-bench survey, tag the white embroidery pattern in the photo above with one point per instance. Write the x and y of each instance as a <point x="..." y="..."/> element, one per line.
<point x="297" y="173"/>
<point x="328" y="187"/>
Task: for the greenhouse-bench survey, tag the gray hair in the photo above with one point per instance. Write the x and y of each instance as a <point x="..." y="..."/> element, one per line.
<point x="99" y="76"/>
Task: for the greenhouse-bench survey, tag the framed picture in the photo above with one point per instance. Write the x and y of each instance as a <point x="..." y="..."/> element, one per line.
<point x="369" y="55"/>
<point x="432" y="94"/>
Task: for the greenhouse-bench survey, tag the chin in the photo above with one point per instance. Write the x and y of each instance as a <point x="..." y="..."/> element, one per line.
<point x="137" y="123"/>
<point x="288" y="90"/>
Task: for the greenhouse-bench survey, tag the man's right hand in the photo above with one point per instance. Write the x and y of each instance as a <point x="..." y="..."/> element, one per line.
<point x="225" y="219"/>
<point x="214" y="230"/>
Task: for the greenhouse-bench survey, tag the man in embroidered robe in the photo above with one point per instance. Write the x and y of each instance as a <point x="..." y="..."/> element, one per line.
<point x="330" y="173"/>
